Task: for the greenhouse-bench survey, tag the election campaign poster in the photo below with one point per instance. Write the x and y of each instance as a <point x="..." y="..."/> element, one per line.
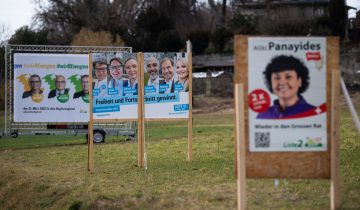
<point x="115" y="85"/>
<point x="51" y="87"/>
<point x="166" y="85"/>
<point x="287" y="94"/>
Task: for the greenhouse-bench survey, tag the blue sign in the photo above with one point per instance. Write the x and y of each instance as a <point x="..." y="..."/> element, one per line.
<point x="181" y="107"/>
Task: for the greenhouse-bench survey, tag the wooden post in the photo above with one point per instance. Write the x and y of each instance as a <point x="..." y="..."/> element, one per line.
<point x="352" y="109"/>
<point x="141" y="120"/>
<point x="335" y="194"/>
<point x="240" y="76"/>
<point x="319" y="164"/>
<point x="240" y="134"/>
<point x="91" y="121"/>
<point x="190" y="120"/>
<point x="208" y="83"/>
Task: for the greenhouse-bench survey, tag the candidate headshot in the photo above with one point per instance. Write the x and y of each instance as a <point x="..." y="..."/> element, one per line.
<point x="100" y="70"/>
<point x="35" y="86"/>
<point x="182" y="72"/>
<point x="116" y="72"/>
<point x="131" y="69"/>
<point x="286" y="77"/>
<point x="167" y="71"/>
<point x="152" y="69"/>
<point x="100" y="83"/>
<point x="60" y="87"/>
<point x="85" y="87"/>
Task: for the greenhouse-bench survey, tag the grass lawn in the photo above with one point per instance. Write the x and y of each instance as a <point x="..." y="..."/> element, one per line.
<point x="50" y="172"/>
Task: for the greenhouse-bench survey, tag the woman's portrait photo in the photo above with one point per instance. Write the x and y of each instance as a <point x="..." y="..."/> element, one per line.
<point x="131" y="69"/>
<point x="286" y="77"/>
<point x="35" y="92"/>
<point x="116" y="82"/>
<point x="182" y="72"/>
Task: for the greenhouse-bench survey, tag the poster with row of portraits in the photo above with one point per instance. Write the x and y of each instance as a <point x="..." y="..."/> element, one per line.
<point x="51" y="87"/>
<point x="55" y="87"/>
<point x="115" y="85"/>
<point x="287" y="94"/>
<point x="166" y="85"/>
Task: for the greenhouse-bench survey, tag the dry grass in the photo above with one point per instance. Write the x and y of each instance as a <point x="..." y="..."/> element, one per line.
<point x="55" y="177"/>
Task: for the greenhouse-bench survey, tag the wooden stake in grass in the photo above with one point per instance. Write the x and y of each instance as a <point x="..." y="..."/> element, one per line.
<point x="141" y="116"/>
<point x="323" y="164"/>
<point x="190" y="119"/>
<point x="240" y="139"/>
<point x="91" y="121"/>
<point x="335" y="195"/>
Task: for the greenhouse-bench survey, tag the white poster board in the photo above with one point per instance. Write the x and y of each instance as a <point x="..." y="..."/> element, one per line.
<point x="287" y="94"/>
<point x="49" y="87"/>
<point x="166" y="85"/>
<point x="115" y="85"/>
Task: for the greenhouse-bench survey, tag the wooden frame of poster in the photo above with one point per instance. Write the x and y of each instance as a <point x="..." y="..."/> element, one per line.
<point x="140" y="119"/>
<point x="275" y="164"/>
<point x="190" y="116"/>
<point x="141" y="116"/>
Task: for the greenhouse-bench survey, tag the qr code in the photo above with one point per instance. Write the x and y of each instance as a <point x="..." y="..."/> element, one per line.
<point x="262" y="139"/>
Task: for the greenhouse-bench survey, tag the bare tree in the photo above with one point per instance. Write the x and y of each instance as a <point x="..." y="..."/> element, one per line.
<point x="64" y="19"/>
<point x="4" y="33"/>
<point x="183" y="13"/>
<point x="223" y="13"/>
<point x="124" y="13"/>
<point x="219" y="12"/>
<point x="101" y="38"/>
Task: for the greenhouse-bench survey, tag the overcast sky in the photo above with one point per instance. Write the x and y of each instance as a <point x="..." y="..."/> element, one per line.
<point x="17" y="13"/>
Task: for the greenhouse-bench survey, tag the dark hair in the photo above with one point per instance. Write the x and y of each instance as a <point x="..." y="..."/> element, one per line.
<point x="100" y="61"/>
<point x="167" y="59"/>
<point x="282" y="63"/>
<point x="33" y="76"/>
<point x="83" y="76"/>
<point x="129" y="58"/>
<point x="115" y="59"/>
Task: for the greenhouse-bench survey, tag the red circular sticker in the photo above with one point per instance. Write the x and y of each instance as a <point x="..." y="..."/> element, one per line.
<point x="259" y="100"/>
